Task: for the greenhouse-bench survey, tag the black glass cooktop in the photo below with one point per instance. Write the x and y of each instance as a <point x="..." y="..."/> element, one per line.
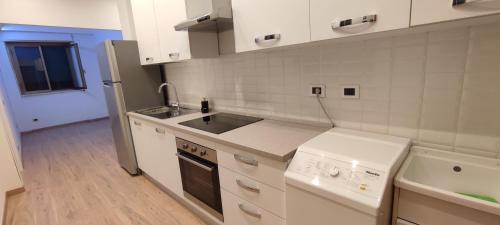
<point x="220" y="122"/>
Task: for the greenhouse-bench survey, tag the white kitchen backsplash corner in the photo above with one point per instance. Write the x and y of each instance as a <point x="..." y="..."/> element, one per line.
<point x="440" y="88"/>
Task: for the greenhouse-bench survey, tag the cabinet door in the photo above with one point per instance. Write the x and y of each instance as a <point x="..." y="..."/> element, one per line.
<point x="341" y="18"/>
<point x="432" y="11"/>
<point x="145" y="27"/>
<point x="263" y="24"/>
<point x="174" y="45"/>
<point x="140" y="135"/>
<point x="165" y="163"/>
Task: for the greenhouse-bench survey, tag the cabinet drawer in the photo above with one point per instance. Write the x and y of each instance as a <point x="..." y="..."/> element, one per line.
<point x="326" y="16"/>
<point x="404" y="222"/>
<point x="261" y="169"/>
<point x="423" y="209"/>
<point x="262" y="195"/>
<point x="432" y="11"/>
<point x="240" y="212"/>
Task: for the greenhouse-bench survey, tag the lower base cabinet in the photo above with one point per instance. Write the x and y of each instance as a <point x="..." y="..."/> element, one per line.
<point x="415" y="208"/>
<point x="155" y="149"/>
<point x="241" y="212"/>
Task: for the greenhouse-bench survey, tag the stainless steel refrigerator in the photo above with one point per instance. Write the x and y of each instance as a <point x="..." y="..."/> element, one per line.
<point x="128" y="86"/>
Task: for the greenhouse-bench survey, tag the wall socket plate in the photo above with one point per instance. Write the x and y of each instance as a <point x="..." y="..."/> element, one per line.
<point x="322" y="88"/>
<point x="350" y="91"/>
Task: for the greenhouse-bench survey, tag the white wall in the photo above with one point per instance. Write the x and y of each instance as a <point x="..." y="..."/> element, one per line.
<point x="440" y="88"/>
<point x="63" y="107"/>
<point x="9" y="176"/>
<point x="126" y="19"/>
<point x="95" y="14"/>
<point x="14" y="134"/>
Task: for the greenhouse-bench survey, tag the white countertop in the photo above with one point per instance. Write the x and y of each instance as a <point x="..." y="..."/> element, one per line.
<point x="273" y="139"/>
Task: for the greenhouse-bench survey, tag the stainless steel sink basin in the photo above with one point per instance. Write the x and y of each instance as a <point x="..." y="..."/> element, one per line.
<point x="164" y="112"/>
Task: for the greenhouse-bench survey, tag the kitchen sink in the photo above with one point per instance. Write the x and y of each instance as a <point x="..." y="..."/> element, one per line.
<point x="465" y="180"/>
<point x="165" y="112"/>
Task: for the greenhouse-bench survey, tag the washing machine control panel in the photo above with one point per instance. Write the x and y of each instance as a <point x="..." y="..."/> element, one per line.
<point x="323" y="170"/>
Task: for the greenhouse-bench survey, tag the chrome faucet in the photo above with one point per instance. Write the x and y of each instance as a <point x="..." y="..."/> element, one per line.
<point x="176" y="104"/>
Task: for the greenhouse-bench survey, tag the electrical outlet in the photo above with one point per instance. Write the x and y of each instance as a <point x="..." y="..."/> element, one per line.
<point x="314" y="88"/>
<point x="350" y="91"/>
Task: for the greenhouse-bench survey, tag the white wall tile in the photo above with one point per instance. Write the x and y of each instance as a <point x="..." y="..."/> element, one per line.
<point x="440" y="88"/>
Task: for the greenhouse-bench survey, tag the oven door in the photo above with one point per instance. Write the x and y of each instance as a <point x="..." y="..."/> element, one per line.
<point x="200" y="179"/>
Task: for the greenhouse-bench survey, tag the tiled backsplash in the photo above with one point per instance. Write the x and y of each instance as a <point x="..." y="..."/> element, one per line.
<point x="442" y="89"/>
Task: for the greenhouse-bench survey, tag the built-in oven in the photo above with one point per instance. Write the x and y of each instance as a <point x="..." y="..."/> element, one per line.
<point x="200" y="176"/>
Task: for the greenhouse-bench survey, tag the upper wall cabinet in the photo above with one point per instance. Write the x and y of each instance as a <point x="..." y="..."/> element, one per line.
<point x="262" y="24"/>
<point x="174" y="45"/>
<point x="432" y="11"/>
<point x="159" y="42"/>
<point x="146" y="32"/>
<point x="340" y="18"/>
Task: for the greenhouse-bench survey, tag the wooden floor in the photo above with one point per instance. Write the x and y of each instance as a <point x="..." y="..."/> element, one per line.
<point x="71" y="177"/>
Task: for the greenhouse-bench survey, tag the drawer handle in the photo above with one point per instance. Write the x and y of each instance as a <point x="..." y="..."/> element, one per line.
<point x="174" y="55"/>
<point x="267" y="38"/>
<point x="246" y="187"/>
<point x="463" y="2"/>
<point x="244" y="209"/>
<point x="137" y="123"/>
<point x="246" y="160"/>
<point x="160" y="131"/>
<point x="354" y="21"/>
<point x="149" y="59"/>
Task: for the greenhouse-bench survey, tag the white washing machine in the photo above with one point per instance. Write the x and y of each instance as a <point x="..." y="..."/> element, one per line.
<point x="343" y="177"/>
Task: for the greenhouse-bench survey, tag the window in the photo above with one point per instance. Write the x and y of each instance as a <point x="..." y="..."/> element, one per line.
<point x="47" y="66"/>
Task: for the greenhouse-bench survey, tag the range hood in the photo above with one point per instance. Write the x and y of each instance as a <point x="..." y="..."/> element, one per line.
<point x="207" y="15"/>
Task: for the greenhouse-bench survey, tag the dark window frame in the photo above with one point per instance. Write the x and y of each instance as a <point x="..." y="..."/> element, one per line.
<point x="17" y="69"/>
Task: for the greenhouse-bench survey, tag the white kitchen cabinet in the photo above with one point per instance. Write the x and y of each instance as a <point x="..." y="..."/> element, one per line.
<point x="433" y="11"/>
<point x="262" y="24"/>
<point x="155" y="149"/>
<point x="241" y="212"/>
<point x="341" y="18"/>
<point x="174" y="45"/>
<point x="262" y="195"/>
<point x="146" y="31"/>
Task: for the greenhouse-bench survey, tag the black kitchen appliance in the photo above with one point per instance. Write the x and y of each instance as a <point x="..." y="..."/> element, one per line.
<point x="200" y="176"/>
<point x="220" y="122"/>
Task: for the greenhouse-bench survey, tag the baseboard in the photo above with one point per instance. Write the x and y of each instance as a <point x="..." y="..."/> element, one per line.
<point x="15" y="191"/>
<point x="66" y="124"/>
<point x="183" y="202"/>
<point x="7" y="194"/>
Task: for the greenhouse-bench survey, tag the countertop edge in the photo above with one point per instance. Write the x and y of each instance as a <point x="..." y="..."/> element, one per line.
<point x="258" y="152"/>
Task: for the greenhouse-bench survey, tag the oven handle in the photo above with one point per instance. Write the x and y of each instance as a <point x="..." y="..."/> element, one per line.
<point x="209" y="169"/>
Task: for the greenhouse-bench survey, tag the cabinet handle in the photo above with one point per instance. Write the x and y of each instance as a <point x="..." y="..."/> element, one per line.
<point x="174" y="55"/>
<point x="354" y="21"/>
<point x="149" y="59"/>
<point x="463" y="2"/>
<point x="267" y="38"/>
<point x="160" y="131"/>
<point x="246" y="187"/>
<point x="137" y="123"/>
<point x="244" y="209"/>
<point x="246" y="160"/>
